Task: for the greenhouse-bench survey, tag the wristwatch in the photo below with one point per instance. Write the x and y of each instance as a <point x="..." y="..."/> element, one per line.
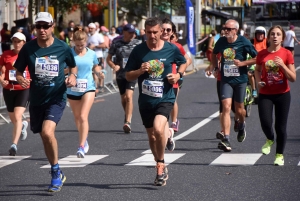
<point x="181" y="74"/>
<point x="74" y="74"/>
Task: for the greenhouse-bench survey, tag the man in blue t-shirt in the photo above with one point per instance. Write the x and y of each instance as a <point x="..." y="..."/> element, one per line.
<point x="151" y="63"/>
<point x="46" y="57"/>
<point x="233" y="49"/>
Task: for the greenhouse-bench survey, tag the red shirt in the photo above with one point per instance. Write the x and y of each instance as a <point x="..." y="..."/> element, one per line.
<point x="8" y="59"/>
<point x="174" y="67"/>
<point x="272" y="75"/>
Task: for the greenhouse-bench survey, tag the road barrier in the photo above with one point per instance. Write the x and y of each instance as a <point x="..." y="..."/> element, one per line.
<point x="109" y="75"/>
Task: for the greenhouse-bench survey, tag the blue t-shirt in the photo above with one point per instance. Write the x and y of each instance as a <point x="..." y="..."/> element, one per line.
<point x="154" y="82"/>
<point x="85" y="66"/>
<point x="46" y="67"/>
<point x="230" y="51"/>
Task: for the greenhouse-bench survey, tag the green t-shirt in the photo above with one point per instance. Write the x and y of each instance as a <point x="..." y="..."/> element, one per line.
<point x="154" y="87"/>
<point x="46" y="68"/>
<point x="230" y="51"/>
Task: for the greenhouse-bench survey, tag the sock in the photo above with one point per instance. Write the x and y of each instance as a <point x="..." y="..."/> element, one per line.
<point x="241" y="125"/>
<point x="226" y="137"/>
<point x="55" y="167"/>
<point x="161" y="161"/>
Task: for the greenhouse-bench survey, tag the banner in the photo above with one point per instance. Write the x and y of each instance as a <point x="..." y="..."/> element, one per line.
<point x="22" y="5"/>
<point x="191" y="26"/>
<point x="274" y="1"/>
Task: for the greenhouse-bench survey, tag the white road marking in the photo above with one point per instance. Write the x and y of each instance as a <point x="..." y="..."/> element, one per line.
<point x="236" y="159"/>
<point x="73" y="161"/>
<point x="192" y="129"/>
<point x="148" y="160"/>
<point x="298" y="68"/>
<point x="8" y="160"/>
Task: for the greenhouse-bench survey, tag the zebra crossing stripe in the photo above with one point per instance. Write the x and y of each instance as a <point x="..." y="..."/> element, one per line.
<point x="236" y="159"/>
<point x="148" y="160"/>
<point x="73" y="161"/>
<point x="8" y="160"/>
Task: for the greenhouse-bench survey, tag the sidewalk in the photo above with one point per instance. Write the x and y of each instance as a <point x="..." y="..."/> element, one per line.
<point x="199" y="64"/>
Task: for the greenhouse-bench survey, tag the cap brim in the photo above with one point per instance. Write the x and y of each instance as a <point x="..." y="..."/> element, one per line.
<point x="43" y="20"/>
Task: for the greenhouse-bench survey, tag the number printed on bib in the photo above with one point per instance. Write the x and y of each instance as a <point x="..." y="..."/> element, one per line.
<point x="12" y="75"/>
<point x="81" y="85"/>
<point x="46" y="66"/>
<point x="153" y="88"/>
<point x="125" y="62"/>
<point x="231" y="70"/>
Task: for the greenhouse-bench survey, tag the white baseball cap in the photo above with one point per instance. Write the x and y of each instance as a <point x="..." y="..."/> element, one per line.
<point x="19" y="36"/>
<point x="43" y="17"/>
<point x="92" y="25"/>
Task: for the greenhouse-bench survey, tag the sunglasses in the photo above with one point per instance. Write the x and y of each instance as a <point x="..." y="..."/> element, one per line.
<point x="228" y="29"/>
<point x="44" y="26"/>
<point x="168" y="30"/>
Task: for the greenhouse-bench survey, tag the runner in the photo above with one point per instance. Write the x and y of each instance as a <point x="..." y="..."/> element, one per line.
<point x="151" y="62"/>
<point x="121" y="48"/>
<point x="45" y="57"/>
<point x="81" y="97"/>
<point x="234" y="49"/>
<point x="274" y="68"/>
<point x="289" y="41"/>
<point x="16" y="97"/>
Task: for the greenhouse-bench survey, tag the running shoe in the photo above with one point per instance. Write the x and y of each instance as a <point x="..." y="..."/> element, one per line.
<point x="224" y="145"/>
<point x="161" y="175"/>
<point x="220" y="135"/>
<point x="236" y="126"/>
<point x="80" y="152"/>
<point x="279" y="161"/>
<point x="241" y="136"/>
<point x="126" y="127"/>
<point x="175" y="126"/>
<point x="86" y="147"/>
<point x="13" y="150"/>
<point x="24" y="130"/>
<point x="254" y="93"/>
<point x="57" y="181"/>
<point x="170" y="141"/>
<point x="266" y="149"/>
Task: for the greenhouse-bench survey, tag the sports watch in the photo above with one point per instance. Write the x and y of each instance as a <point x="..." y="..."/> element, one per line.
<point x="181" y="74"/>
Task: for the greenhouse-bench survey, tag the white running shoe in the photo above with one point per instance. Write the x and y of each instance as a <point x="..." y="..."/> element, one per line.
<point x="24" y="130"/>
<point x="86" y="147"/>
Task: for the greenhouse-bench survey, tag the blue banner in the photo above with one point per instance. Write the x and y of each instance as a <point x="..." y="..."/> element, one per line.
<point x="190" y="16"/>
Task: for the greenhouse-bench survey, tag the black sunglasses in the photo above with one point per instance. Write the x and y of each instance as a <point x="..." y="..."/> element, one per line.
<point x="168" y="30"/>
<point x="228" y="29"/>
<point x="44" y="26"/>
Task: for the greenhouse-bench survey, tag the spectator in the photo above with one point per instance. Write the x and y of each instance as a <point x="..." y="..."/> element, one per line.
<point x="5" y="37"/>
<point x="120" y="28"/>
<point x="112" y="35"/>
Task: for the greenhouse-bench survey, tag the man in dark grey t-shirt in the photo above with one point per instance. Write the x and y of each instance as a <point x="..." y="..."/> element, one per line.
<point x="121" y="48"/>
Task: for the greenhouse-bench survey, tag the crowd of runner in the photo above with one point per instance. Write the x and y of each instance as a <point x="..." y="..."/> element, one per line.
<point x="47" y="71"/>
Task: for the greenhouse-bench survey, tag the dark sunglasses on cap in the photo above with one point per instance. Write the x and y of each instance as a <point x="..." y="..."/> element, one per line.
<point x="44" y="26"/>
<point x="168" y="30"/>
<point x="228" y="29"/>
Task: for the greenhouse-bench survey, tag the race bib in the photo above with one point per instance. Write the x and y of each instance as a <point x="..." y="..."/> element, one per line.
<point x="153" y="88"/>
<point x="125" y="62"/>
<point x="46" y="66"/>
<point x="81" y="85"/>
<point x="12" y="75"/>
<point x="231" y="70"/>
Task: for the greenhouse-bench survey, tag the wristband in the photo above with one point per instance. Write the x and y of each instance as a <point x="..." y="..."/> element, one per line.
<point x="74" y="74"/>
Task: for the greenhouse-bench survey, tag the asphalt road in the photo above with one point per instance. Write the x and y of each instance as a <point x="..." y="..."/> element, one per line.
<point x="119" y="166"/>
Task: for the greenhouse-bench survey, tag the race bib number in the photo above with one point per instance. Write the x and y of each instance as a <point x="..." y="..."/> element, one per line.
<point x="125" y="62"/>
<point x="81" y="85"/>
<point x="231" y="70"/>
<point x="12" y="75"/>
<point x="153" y="88"/>
<point x="47" y="66"/>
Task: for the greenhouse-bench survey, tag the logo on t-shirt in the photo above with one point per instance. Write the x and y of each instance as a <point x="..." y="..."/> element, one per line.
<point x="229" y="54"/>
<point x="156" y="68"/>
<point x="274" y="75"/>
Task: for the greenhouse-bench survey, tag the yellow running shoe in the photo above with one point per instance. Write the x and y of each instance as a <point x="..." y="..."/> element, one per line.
<point x="279" y="161"/>
<point x="266" y="149"/>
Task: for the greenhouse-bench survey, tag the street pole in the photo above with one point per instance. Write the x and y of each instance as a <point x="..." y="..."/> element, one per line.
<point x="46" y="5"/>
<point x="150" y="8"/>
<point x="198" y="21"/>
<point x="110" y="13"/>
<point x="115" y="13"/>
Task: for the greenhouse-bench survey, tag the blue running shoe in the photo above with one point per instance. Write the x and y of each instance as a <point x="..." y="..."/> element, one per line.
<point x="13" y="150"/>
<point x="80" y="152"/>
<point x="57" y="181"/>
<point x="86" y="147"/>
